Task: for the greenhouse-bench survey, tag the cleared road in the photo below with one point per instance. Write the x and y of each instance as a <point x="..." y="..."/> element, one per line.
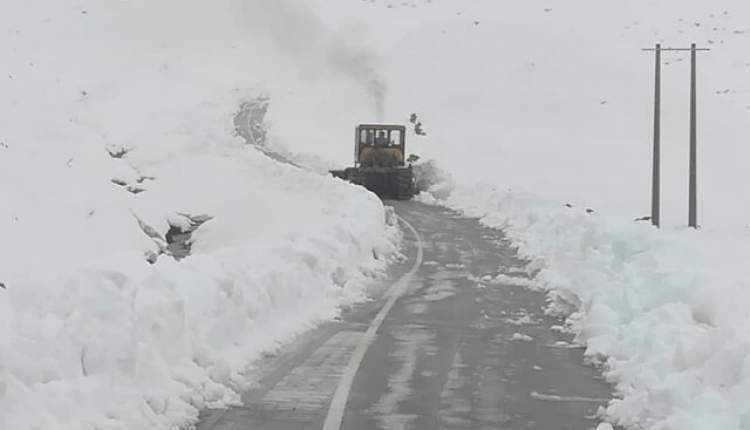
<point x="439" y="350"/>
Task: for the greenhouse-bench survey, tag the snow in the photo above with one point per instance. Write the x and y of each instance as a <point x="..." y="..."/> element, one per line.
<point x="521" y="337"/>
<point x="515" y="281"/>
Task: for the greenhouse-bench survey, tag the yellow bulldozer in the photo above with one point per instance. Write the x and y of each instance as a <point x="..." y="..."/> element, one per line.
<point x="379" y="162"/>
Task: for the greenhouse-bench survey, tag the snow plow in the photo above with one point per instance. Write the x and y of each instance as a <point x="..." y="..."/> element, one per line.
<point x="379" y="162"/>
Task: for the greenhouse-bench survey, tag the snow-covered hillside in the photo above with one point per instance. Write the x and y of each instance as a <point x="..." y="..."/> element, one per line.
<point x="555" y="97"/>
<point x="116" y="120"/>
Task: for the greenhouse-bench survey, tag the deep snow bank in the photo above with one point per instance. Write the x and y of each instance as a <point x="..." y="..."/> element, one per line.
<point x="122" y="344"/>
<point x="667" y="311"/>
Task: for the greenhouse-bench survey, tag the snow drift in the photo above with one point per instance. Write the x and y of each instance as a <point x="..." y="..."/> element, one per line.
<point x="123" y="344"/>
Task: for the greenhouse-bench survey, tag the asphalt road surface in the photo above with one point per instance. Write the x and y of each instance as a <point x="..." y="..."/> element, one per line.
<point x="439" y="350"/>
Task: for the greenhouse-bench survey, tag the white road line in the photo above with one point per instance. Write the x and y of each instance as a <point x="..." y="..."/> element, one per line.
<point x="336" y="410"/>
<point x="557" y="398"/>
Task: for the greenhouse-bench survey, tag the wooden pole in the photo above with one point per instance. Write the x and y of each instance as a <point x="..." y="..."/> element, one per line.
<point x="693" y="191"/>
<point x="656" y="175"/>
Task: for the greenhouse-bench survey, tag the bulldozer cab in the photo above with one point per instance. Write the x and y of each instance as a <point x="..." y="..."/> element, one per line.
<point x="380" y="136"/>
<point x="379" y="162"/>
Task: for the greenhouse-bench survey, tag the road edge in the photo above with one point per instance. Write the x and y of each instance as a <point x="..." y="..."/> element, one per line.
<point x="335" y="415"/>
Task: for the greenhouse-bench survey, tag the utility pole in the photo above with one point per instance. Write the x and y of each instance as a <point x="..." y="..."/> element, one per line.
<point x="656" y="175"/>
<point x="693" y="191"/>
<point x="656" y="168"/>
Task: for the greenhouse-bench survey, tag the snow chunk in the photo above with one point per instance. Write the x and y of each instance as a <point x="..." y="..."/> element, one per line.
<point x="522" y="337"/>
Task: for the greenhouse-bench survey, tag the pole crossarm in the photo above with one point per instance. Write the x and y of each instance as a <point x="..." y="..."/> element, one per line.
<point x="676" y="49"/>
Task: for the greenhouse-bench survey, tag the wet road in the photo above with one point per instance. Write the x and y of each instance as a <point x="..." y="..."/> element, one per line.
<point x="442" y="349"/>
